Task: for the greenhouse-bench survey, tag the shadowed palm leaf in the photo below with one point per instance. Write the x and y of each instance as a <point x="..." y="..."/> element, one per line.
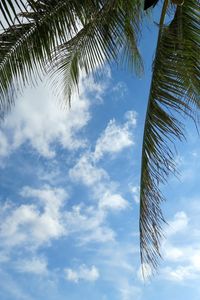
<point x="69" y="35"/>
<point x="174" y="92"/>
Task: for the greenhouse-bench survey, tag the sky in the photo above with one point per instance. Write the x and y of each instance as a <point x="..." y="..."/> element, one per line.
<point x="69" y="184"/>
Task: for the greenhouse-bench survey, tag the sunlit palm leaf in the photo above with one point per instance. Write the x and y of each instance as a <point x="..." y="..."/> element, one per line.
<point x="174" y="92"/>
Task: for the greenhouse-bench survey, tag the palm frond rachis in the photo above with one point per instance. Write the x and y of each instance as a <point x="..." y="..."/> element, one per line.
<point x="174" y="92"/>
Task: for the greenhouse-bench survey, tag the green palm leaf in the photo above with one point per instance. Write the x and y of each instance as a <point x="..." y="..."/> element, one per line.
<point x="110" y="34"/>
<point x="49" y="31"/>
<point x="174" y="93"/>
<point x="26" y="46"/>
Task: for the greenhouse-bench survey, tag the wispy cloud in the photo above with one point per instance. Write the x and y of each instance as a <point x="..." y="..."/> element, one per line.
<point x="34" y="265"/>
<point x="83" y="272"/>
<point x="87" y="172"/>
<point x="89" y="223"/>
<point x="181" y="249"/>
<point x="115" y="137"/>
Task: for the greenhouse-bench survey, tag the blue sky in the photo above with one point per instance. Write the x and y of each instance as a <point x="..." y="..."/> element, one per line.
<point x="69" y="196"/>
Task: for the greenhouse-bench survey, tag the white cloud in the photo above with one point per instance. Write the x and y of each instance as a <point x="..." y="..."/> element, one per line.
<point x="181" y="249"/>
<point x="172" y="253"/>
<point x="129" y="291"/>
<point x="195" y="260"/>
<point x="178" y="224"/>
<point x="119" y="261"/>
<point x="116" y="137"/>
<point x="135" y="190"/>
<point x="44" y="219"/>
<point x="88" y="222"/>
<point x="120" y="90"/>
<point x="51" y="199"/>
<point x="37" y="119"/>
<point x="97" y="89"/>
<point x="113" y="201"/>
<point x="35" y="265"/>
<point x="97" y="179"/>
<point x="188" y="267"/>
<point x="186" y="262"/>
<point x="34" y="224"/>
<point x="82" y="273"/>
<point x="4" y="146"/>
<point x="178" y="274"/>
<point x="86" y="171"/>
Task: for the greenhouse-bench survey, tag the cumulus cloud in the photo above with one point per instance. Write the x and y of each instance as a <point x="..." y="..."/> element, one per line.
<point x="42" y="122"/>
<point x="181" y="256"/>
<point x="87" y="172"/>
<point x="37" y="119"/>
<point x="82" y="273"/>
<point x="44" y="219"/>
<point x="115" y="137"/>
<point x="45" y="216"/>
<point x="186" y="262"/>
<point x="113" y="202"/>
<point x="178" y="224"/>
<point x="33" y="224"/>
<point x="35" y="265"/>
<point x="51" y="199"/>
<point x="97" y="179"/>
<point x="172" y="253"/>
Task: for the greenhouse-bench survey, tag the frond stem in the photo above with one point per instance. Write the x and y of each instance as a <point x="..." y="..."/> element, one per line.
<point x="161" y="23"/>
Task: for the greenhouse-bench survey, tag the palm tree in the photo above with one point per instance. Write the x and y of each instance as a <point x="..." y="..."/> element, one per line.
<point x="63" y="38"/>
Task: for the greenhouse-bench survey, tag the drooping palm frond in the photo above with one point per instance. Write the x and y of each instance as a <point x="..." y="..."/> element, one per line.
<point x="174" y="92"/>
<point x="74" y="34"/>
<point x="25" y="46"/>
<point x="111" y="33"/>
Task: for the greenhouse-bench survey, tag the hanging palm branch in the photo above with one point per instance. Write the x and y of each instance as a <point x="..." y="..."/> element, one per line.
<point x="69" y="34"/>
<point x="110" y="34"/>
<point x="174" y="92"/>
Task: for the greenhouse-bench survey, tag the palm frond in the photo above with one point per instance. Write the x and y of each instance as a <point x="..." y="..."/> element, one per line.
<point x="26" y="46"/>
<point x="110" y="33"/>
<point x="174" y="93"/>
<point x="49" y="31"/>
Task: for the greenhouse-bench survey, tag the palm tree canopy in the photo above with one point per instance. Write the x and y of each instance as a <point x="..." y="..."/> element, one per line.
<point x="62" y="38"/>
<point x="69" y="35"/>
